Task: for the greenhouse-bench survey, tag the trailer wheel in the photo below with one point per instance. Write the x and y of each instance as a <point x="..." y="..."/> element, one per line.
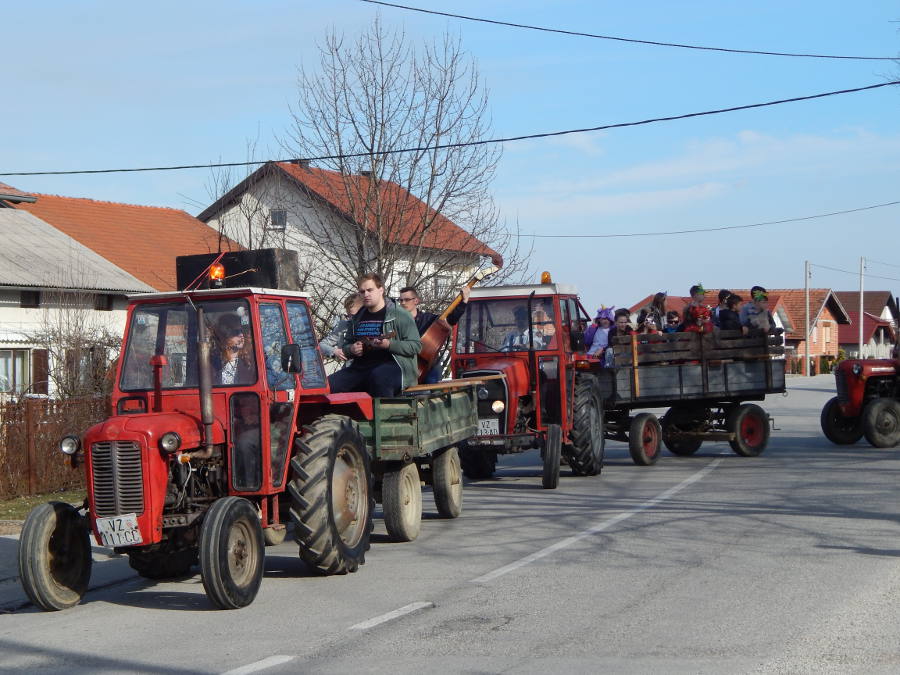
<point x="55" y="556"/>
<point x="585" y="454"/>
<point x="881" y="422"/>
<point x="750" y="425"/>
<point x="837" y="428"/>
<point x="401" y="499"/>
<point x="644" y="437"/>
<point x="677" y="419"/>
<point x="447" y="483"/>
<point x="162" y="563"/>
<point x="477" y="463"/>
<point x="552" y="456"/>
<point x="331" y="495"/>
<point x="232" y="553"/>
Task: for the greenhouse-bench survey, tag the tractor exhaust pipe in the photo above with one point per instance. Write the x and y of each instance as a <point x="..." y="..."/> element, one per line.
<point x="204" y="377"/>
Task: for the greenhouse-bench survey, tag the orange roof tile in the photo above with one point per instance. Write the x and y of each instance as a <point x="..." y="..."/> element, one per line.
<point x="142" y="240"/>
<point x="347" y="194"/>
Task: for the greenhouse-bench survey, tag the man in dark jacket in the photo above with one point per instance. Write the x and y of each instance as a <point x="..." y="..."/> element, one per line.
<point x="383" y="342"/>
<point x="409" y="300"/>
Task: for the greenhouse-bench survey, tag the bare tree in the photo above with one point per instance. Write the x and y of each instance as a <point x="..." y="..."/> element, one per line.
<point x="364" y="103"/>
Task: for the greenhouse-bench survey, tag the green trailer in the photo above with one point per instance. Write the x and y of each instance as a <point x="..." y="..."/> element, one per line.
<point x="412" y="439"/>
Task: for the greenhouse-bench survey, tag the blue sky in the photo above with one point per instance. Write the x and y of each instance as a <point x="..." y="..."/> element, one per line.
<point x="106" y="84"/>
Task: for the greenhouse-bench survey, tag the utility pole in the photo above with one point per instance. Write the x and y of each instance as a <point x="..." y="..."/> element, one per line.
<point x="862" y="267"/>
<point x="806" y="314"/>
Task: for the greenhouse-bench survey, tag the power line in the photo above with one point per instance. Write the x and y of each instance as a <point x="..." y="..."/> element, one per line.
<point x="879" y="262"/>
<point x="855" y="274"/>
<point x="707" y="229"/>
<point x="445" y="146"/>
<point x="623" y="39"/>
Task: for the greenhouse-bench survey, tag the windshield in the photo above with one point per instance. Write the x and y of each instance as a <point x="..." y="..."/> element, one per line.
<point x="502" y="325"/>
<point x="170" y="330"/>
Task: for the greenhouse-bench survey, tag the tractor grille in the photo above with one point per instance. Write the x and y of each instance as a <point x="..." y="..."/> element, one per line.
<point x="118" y="478"/>
<point x="496" y="392"/>
<point x="840" y="383"/>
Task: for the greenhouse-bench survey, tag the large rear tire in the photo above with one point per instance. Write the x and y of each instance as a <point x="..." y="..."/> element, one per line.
<point x="232" y="553"/>
<point x="401" y="499"/>
<point x="750" y="425"/>
<point x="837" y="428"/>
<point x="881" y="422"/>
<point x="162" y="563"/>
<point x="644" y="438"/>
<point x="446" y="479"/>
<point x="552" y="456"/>
<point x="585" y="454"/>
<point x="331" y="495"/>
<point x="679" y="419"/>
<point x="55" y="556"/>
<point x="477" y="463"/>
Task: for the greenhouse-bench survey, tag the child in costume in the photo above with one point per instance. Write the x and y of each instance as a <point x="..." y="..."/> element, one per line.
<point x="698" y="319"/>
<point x="599" y="336"/>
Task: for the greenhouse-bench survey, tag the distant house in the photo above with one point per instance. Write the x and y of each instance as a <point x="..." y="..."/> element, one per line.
<point x="63" y="257"/>
<point x="337" y="222"/>
<point x="881" y="319"/>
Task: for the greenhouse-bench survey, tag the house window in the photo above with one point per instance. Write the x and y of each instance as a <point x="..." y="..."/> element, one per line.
<point x="103" y="302"/>
<point x="30" y="299"/>
<point x="278" y="220"/>
<point x="826" y="331"/>
<point x="442" y="285"/>
<point x="15" y="374"/>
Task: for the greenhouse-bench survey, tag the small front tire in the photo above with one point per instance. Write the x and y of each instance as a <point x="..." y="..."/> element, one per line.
<point x="881" y="422"/>
<point x="644" y="437"/>
<point x="401" y="498"/>
<point x="232" y="553"/>
<point x="552" y="456"/>
<point x="750" y="425"/>
<point x="837" y="428"/>
<point x="446" y="478"/>
<point x="55" y="556"/>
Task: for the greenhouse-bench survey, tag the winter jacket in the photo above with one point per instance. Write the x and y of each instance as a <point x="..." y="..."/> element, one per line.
<point x="405" y="344"/>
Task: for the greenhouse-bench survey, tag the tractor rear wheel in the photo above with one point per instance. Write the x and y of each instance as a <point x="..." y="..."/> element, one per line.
<point x="401" y="499"/>
<point x="55" y="556"/>
<point x="232" y="553"/>
<point x="331" y="495"/>
<point x="477" y="463"/>
<point x="585" y="454"/>
<point x="881" y="422"/>
<point x="750" y="425"/>
<point x="837" y="428"/>
<point x="644" y="437"/>
<point x="163" y="562"/>
<point x="552" y="456"/>
<point x="446" y="478"/>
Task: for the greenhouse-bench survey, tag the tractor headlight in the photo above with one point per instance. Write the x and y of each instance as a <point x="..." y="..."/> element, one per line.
<point x="856" y="369"/>
<point x="483" y="393"/>
<point x="69" y="445"/>
<point x="498" y="406"/>
<point x="169" y="442"/>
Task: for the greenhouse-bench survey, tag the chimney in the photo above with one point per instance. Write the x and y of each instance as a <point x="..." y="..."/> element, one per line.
<point x="300" y="162"/>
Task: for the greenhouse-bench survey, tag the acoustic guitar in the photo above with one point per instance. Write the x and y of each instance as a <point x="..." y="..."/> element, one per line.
<point x="437" y="333"/>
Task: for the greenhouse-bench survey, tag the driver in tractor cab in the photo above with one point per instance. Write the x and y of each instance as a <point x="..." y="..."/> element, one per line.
<point x="383" y="341"/>
<point x="235" y="363"/>
<point x="520" y="339"/>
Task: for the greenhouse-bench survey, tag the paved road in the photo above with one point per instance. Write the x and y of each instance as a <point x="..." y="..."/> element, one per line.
<point x="786" y="563"/>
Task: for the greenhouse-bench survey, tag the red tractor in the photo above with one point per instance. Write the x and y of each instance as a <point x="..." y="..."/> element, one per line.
<point x="866" y="403"/>
<point x="526" y="344"/>
<point x="223" y="424"/>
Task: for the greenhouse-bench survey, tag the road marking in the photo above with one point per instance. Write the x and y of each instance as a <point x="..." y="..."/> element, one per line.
<point x="269" y="662"/>
<point x="599" y="527"/>
<point x="397" y="613"/>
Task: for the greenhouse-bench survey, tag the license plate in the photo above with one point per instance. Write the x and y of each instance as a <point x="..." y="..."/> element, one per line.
<point x="488" y="427"/>
<point x="119" y="530"/>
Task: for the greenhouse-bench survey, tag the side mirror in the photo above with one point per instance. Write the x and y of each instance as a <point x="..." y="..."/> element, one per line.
<point x="290" y="359"/>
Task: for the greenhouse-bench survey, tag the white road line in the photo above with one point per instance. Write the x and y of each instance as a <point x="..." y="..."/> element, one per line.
<point x="403" y="611"/>
<point x="599" y="527"/>
<point x="269" y="662"/>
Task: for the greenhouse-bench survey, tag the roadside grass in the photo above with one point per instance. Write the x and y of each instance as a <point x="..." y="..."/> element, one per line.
<point x="18" y="507"/>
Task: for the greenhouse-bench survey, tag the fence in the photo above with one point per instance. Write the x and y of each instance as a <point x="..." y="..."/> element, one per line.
<point x="30" y="429"/>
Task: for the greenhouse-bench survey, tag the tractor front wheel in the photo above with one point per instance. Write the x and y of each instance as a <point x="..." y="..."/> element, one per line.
<point x="232" y="553"/>
<point x="331" y="495"/>
<point x="881" y="422"/>
<point x="552" y="456"/>
<point x="644" y="437"/>
<point x="55" y="556"/>
<point x="837" y="428"/>
<point x="401" y="499"/>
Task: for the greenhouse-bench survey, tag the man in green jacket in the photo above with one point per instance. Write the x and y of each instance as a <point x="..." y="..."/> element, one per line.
<point x="383" y="341"/>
